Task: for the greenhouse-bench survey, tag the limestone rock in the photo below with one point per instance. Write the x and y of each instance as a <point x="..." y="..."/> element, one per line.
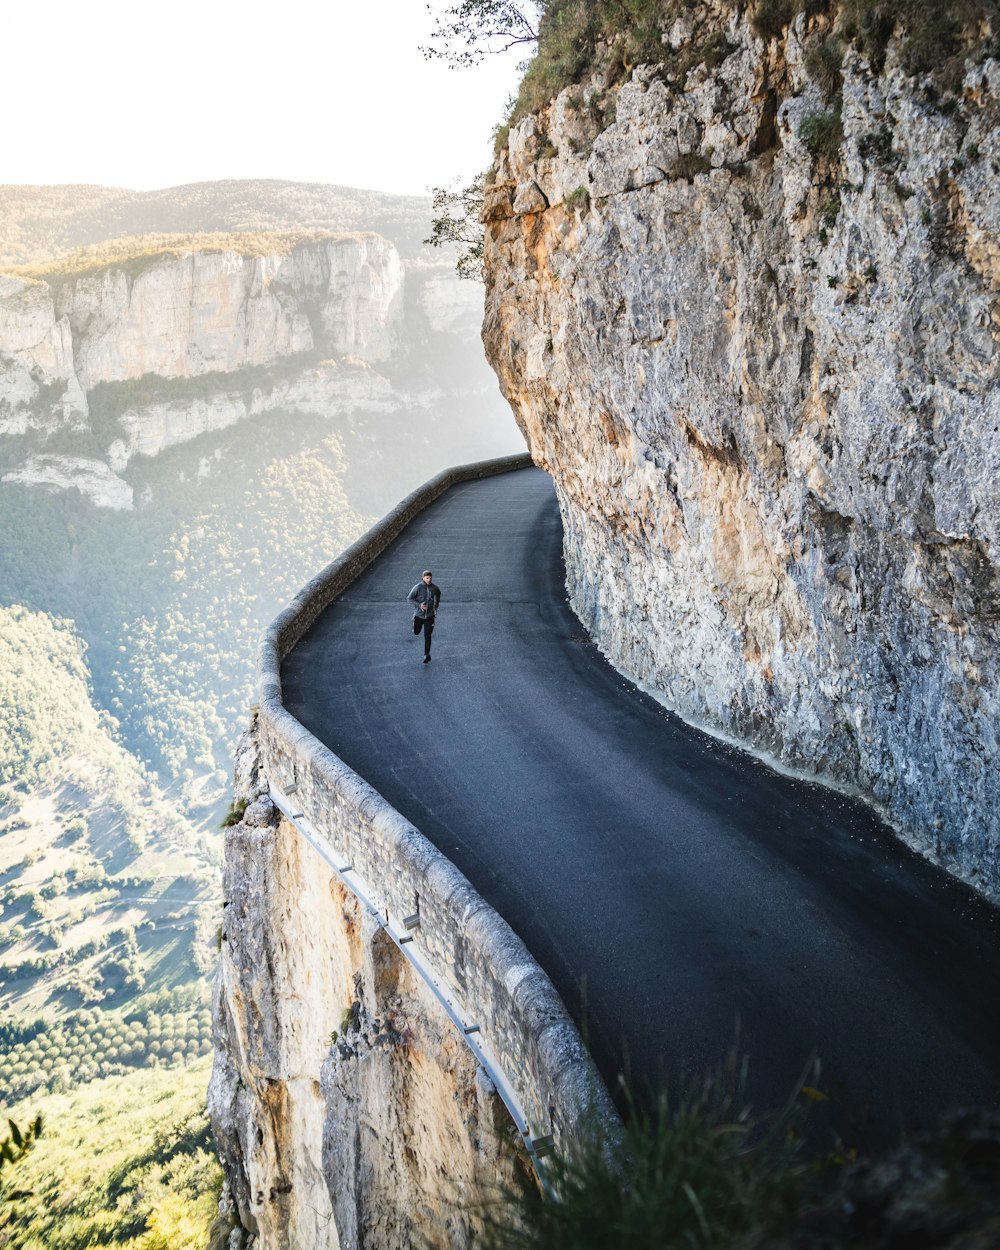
<point x="187" y="315"/>
<point x="529" y="198"/>
<point x="329" y="388"/>
<point x="204" y="312"/>
<point x="92" y="478"/>
<point x="766" y="385"/>
<point x="347" y="1110"/>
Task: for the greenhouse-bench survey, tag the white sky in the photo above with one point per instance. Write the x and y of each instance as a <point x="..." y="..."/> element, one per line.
<point x="154" y="95"/>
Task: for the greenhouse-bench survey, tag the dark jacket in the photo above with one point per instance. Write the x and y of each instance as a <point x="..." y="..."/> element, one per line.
<point x="427" y="597"/>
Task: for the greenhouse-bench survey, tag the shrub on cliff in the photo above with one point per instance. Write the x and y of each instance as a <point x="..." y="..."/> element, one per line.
<point x="572" y="37"/>
<point x="822" y="133"/>
<point x="699" y="1171"/>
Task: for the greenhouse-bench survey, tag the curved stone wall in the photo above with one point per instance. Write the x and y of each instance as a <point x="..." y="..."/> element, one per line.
<point x="479" y="969"/>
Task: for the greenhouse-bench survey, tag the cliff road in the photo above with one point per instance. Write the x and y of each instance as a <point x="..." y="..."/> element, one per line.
<point x="675" y="889"/>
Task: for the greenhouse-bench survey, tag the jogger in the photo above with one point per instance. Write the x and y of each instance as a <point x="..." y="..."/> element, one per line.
<point x="425" y="597"/>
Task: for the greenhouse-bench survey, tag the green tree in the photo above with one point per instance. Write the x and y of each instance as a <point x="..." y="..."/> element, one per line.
<point x="13" y="1148"/>
<point x="473" y="29"/>
<point x="456" y="222"/>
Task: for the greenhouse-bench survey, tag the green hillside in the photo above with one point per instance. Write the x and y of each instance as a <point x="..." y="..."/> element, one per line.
<point x="126" y="1161"/>
<point x="107" y="896"/>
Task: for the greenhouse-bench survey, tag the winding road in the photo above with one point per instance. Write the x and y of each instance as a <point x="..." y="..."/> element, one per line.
<point x="674" y="888"/>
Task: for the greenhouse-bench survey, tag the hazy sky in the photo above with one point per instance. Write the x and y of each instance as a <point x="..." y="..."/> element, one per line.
<point x="152" y="95"/>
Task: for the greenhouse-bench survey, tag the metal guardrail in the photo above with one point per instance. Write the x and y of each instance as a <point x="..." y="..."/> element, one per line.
<point x="400" y="931"/>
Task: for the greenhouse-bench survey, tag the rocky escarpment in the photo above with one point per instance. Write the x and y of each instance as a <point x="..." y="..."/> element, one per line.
<point x="180" y="316"/>
<point x="347" y="1109"/>
<point x="155" y="350"/>
<point x="745" y="305"/>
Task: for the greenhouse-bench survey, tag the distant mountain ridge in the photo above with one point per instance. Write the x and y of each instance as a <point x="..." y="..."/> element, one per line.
<point x="40" y="222"/>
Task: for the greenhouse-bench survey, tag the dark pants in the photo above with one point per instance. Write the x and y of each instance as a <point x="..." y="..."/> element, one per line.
<point x="425" y="623"/>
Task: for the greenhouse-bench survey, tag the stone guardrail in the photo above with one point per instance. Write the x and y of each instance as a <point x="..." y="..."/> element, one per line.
<point x="483" y="974"/>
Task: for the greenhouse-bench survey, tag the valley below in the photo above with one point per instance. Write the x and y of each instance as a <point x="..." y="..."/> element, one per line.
<point x="153" y="525"/>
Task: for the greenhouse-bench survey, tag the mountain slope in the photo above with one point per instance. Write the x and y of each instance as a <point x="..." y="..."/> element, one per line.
<point x="37" y="223"/>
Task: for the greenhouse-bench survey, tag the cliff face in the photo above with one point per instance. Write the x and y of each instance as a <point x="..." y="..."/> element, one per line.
<point x="148" y="353"/>
<point x="762" y="368"/>
<point x="36" y="351"/>
<point x="205" y="312"/>
<point x="347" y="1110"/>
<point x="185" y="315"/>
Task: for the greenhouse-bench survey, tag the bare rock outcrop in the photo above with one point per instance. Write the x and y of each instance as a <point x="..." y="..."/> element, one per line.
<point x="204" y="312"/>
<point x="92" y="478"/>
<point x="186" y="315"/>
<point x="751" y="324"/>
<point x="347" y="1110"/>
<point x="330" y="388"/>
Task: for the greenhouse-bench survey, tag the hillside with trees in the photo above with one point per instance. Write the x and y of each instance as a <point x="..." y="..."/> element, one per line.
<point x="127" y="1161"/>
<point x="106" y="892"/>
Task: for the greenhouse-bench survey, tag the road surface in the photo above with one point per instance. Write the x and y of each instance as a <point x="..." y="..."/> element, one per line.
<point x="674" y="888"/>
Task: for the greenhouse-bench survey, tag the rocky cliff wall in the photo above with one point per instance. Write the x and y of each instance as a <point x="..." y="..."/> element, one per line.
<point x="750" y="322"/>
<point x="155" y="351"/>
<point x="347" y="1109"/>
<point x="180" y="316"/>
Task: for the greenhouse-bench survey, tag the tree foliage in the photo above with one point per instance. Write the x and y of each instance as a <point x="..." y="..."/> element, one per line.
<point x="126" y="1162"/>
<point x="457" y="223"/>
<point x="13" y="1147"/>
<point x="473" y="29"/>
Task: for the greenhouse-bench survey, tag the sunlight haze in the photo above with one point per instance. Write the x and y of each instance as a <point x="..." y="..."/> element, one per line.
<point x="150" y="97"/>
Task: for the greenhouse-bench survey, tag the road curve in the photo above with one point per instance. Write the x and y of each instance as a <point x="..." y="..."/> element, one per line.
<point x="670" y="885"/>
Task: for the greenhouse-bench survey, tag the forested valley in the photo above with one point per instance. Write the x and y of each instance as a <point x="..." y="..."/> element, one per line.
<point x="127" y="643"/>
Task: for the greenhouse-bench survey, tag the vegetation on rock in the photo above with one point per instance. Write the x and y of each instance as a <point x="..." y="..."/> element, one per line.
<point x="701" y="1171"/>
<point x="574" y="37"/>
<point x="134" y="254"/>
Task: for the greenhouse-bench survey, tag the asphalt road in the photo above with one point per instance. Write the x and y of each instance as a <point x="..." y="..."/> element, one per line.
<point x="674" y="888"/>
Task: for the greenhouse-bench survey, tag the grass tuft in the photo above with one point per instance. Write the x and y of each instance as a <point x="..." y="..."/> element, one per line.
<point x="772" y="16"/>
<point x="235" y="813"/>
<point x="701" y="1170"/>
<point x="822" y="134"/>
<point x="824" y="61"/>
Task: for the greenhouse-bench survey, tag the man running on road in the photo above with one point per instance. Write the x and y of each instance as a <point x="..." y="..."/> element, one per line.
<point x="426" y="597"/>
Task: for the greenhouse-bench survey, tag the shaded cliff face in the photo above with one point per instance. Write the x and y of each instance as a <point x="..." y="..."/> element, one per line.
<point x="764" y="377"/>
<point x="347" y="1110"/>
